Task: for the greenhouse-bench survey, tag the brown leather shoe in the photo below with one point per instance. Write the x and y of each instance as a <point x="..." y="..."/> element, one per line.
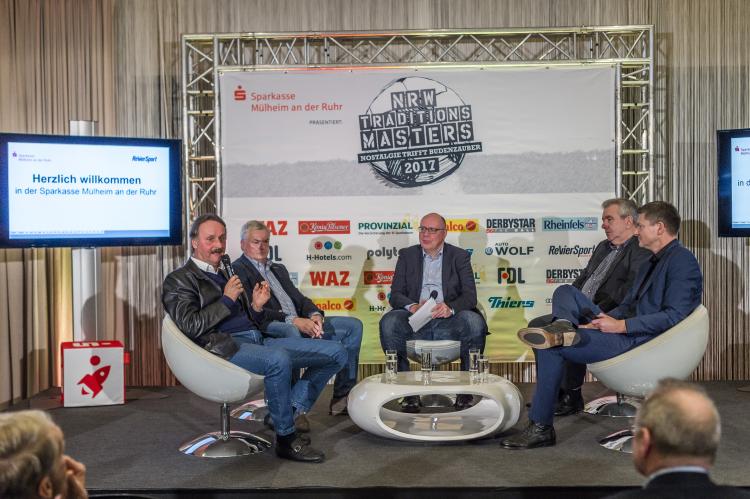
<point x="557" y="334"/>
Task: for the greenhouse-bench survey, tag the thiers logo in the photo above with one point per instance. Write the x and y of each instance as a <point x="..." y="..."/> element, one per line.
<point x="510" y="275"/>
<point x="277" y="227"/>
<point x="507" y="302"/>
<point x="378" y="277"/>
<point x="416" y="131"/>
<point x="462" y="225"/>
<point x="562" y="276"/>
<point x="240" y="93"/>
<point x="335" y="304"/>
<point x="329" y="278"/>
<point x="495" y="225"/>
<point x="324" y="226"/>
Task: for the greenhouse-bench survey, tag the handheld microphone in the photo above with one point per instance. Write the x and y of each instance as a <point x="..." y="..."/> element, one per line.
<point x="227" y="263"/>
<point x="434" y="294"/>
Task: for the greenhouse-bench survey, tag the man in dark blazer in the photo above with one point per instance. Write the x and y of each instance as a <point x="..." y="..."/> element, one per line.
<point x="433" y="267"/>
<point x="290" y="314"/>
<point x="668" y="288"/>
<point x="606" y="280"/>
<point x="676" y="436"/>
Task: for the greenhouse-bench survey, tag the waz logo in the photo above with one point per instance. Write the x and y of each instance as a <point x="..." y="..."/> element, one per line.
<point x="329" y="278"/>
<point x="416" y="131"/>
<point x="277" y="227"/>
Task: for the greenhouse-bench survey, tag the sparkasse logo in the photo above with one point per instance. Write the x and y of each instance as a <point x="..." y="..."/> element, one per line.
<point x="323" y="227"/>
<point x="329" y="277"/>
<point x="240" y="93"/>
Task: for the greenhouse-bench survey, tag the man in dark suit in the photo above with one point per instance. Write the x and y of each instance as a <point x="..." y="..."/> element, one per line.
<point x="667" y="290"/>
<point x="290" y="314"/>
<point x="606" y="280"/>
<point x="433" y="267"/>
<point x="676" y="436"/>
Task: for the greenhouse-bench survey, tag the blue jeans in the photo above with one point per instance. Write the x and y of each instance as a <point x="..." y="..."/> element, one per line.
<point x="275" y="359"/>
<point x="594" y="346"/>
<point x="466" y="326"/>
<point x="344" y="330"/>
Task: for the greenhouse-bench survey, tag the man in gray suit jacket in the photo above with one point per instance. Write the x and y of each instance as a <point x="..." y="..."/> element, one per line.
<point x="433" y="268"/>
<point x="677" y="432"/>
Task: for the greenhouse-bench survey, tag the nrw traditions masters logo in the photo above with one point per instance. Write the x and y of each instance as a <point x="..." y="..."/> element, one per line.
<point x="416" y="132"/>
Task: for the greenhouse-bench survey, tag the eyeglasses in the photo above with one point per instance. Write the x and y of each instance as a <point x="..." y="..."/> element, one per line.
<point x="259" y="242"/>
<point x="429" y="230"/>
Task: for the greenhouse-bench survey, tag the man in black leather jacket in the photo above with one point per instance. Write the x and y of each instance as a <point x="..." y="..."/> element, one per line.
<point x="215" y="312"/>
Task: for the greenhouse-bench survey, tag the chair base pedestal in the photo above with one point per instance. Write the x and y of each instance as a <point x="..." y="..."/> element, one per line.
<point x="215" y="445"/>
<point x="620" y="441"/>
<point x="624" y="407"/>
<point x="255" y="410"/>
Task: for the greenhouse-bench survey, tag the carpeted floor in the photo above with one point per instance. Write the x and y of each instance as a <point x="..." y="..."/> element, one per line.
<point x="134" y="447"/>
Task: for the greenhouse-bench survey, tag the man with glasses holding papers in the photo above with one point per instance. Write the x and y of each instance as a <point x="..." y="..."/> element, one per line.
<point x="443" y="271"/>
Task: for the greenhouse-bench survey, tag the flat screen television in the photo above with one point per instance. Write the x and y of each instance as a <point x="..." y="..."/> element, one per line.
<point x="75" y="191"/>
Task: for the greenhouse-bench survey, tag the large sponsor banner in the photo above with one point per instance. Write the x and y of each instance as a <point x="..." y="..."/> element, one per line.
<point x="342" y="164"/>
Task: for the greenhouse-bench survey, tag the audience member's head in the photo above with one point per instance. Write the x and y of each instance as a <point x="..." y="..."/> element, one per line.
<point x="677" y="425"/>
<point x="32" y="459"/>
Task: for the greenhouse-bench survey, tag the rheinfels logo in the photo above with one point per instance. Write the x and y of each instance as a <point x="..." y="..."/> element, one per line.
<point x="329" y="278"/>
<point x="324" y="226"/>
<point x="335" y="304"/>
<point x="378" y="277"/>
<point x="462" y="225"/>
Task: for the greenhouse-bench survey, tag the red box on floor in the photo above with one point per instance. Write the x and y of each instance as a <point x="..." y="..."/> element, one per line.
<point x="93" y="373"/>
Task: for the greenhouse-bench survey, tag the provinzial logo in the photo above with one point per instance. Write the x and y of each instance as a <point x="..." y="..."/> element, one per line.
<point x="571" y="223"/>
<point x="507" y="302"/>
<point x="335" y="304"/>
<point x="372" y="277"/>
<point x="416" y="131"/>
<point x="385" y="227"/>
<point x="323" y="227"/>
<point x="562" y="276"/>
<point x="495" y="225"/>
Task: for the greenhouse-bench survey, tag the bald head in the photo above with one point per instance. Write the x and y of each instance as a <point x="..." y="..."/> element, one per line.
<point x="677" y="424"/>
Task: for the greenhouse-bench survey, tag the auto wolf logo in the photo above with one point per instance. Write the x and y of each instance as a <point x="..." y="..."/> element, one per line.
<point x="416" y="131"/>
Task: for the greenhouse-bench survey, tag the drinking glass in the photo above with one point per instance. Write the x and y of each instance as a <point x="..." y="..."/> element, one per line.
<point x="474" y="362"/>
<point x="426" y="360"/>
<point x="484" y="368"/>
<point x="391" y="364"/>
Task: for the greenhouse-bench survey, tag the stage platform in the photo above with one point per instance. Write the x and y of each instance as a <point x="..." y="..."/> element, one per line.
<point x="133" y="449"/>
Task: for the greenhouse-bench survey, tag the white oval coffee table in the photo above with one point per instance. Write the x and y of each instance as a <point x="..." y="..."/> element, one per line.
<point x="498" y="409"/>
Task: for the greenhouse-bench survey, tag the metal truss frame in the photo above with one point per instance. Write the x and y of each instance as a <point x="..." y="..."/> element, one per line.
<point x="630" y="48"/>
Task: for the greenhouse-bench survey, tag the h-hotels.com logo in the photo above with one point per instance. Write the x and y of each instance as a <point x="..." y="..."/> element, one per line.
<point x="240" y="93"/>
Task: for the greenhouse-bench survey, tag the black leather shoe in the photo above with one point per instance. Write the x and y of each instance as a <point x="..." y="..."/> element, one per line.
<point x="301" y="423"/>
<point x="534" y="435"/>
<point x="571" y="402"/>
<point x="338" y="406"/>
<point x="557" y="334"/>
<point x="463" y="401"/>
<point x="410" y="404"/>
<point x="299" y="450"/>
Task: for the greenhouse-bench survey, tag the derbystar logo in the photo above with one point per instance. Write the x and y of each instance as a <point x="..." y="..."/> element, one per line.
<point x="576" y="250"/>
<point x="373" y="277"/>
<point x="324" y="226"/>
<point x="507" y="302"/>
<point x="383" y="252"/>
<point x="510" y="225"/>
<point x="510" y="275"/>
<point x="462" y="225"/>
<point x="335" y="304"/>
<point x="277" y="227"/>
<point x="385" y="227"/>
<point x="240" y="93"/>
<point x="329" y="278"/>
<point x="505" y="249"/>
<point x="562" y="276"/>
<point x="557" y="224"/>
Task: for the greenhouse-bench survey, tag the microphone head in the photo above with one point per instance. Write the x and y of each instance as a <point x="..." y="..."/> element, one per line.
<point x="227" y="263"/>
<point x="434" y="294"/>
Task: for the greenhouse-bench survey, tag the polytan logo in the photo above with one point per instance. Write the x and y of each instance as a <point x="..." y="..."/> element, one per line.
<point x="324" y="226"/>
<point x="335" y="304"/>
<point x="383" y="252"/>
<point x="510" y="275"/>
<point x="373" y="277"/>
<point x="329" y="278"/>
<point x="462" y="225"/>
<point x="277" y="227"/>
<point x="240" y="93"/>
<point x="562" y="276"/>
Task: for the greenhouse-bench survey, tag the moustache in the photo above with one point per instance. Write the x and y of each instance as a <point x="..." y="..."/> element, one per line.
<point x="217" y="251"/>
